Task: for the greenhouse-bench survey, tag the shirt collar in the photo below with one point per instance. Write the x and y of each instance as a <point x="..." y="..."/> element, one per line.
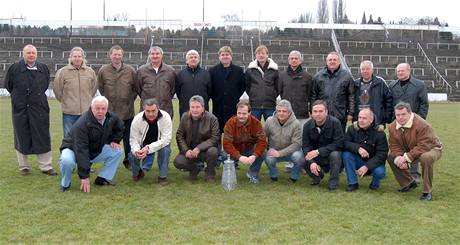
<point x="408" y="123"/>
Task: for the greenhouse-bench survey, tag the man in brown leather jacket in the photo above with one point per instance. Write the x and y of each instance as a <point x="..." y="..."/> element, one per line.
<point x="412" y="139"/>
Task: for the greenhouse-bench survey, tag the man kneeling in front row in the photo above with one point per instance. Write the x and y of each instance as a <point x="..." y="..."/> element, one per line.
<point x="365" y="151"/>
<point x="94" y="137"/>
<point x="150" y="133"/>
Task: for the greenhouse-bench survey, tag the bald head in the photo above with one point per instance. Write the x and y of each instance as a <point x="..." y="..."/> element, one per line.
<point x="29" y="53"/>
<point x="403" y="71"/>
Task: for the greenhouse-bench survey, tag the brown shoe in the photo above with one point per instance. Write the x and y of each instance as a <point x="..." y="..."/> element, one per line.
<point x="50" y="172"/>
<point x="162" y="181"/>
<point x="24" y="172"/>
<point x="211" y="179"/>
<point x="139" y="176"/>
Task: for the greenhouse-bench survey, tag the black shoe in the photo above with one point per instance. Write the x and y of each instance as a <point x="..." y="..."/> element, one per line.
<point x="64" y="189"/>
<point x="274" y="179"/>
<point x="292" y="180"/>
<point x="127" y="164"/>
<point x="373" y="187"/>
<point x="409" y="187"/>
<point x="426" y="196"/>
<point x="315" y="182"/>
<point x="352" y="187"/>
<point x="102" y="181"/>
<point x="332" y="188"/>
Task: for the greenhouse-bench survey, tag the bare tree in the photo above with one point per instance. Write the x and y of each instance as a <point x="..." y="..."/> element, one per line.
<point x="303" y="18"/>
<point x="323" y="12"/>
<point x="341" y="12"/>
<point x="335" y="16"/>
<point x="363" y="20"/>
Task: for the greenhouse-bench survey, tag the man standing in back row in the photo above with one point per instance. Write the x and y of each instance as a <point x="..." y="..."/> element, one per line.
<point x="116" y="83"/>
<point x="193" y="80"/>
<point x="27" y="82"/>
<point x="335" y="85"/>
<point x="157" y="80"/>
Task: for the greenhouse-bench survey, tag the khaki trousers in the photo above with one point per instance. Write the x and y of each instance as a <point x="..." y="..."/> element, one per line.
<point x="44" y="161"/>
<point x="427" y="161"/>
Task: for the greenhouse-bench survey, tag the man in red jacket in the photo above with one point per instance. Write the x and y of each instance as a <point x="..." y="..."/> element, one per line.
<point x="245" y="141"/>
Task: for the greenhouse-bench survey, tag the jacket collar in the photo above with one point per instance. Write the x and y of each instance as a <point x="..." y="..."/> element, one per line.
<point x="409" y="123"/>
<point x="271" y="65"/>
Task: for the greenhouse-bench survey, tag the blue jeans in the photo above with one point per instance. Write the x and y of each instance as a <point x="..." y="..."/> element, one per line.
<point x="67" y="122"/>
<point x="162" y="161"/>
<point x="295" y="158"/>
<point x="110" y="156"/>
<point x="259" y="112"/>
<point x="256" y="165"/>
<point x="353" y="162"/>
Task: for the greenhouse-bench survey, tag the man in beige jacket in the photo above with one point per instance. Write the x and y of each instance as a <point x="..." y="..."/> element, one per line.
<point x="74" y="86"/>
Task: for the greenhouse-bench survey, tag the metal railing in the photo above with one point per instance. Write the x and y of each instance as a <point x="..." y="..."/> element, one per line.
<point x="298" y="43"/>
<point x="27" y="40"/>
<point x="370" y="44"/>
<point x="449" y="46"/>
<point x="446" y="59"/>
<point x="107" y="40"/>
<point x="104" y="54"/>
<point x="16" y="53"/>
<point x="433" y="69"/>
<point x="382" y="58"/>
<point x="180" y="41"/>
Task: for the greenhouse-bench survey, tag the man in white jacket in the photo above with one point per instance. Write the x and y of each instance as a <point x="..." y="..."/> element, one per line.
<point x="150" y="133"/>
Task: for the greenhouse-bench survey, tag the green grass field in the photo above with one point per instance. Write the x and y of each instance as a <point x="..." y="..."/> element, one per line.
<point x="32" y="210"/>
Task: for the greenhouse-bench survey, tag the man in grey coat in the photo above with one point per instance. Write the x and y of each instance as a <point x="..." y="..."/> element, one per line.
<point x="411" y="90"/>
<point x="284" y="140"/>
<point x="27" y="82"/>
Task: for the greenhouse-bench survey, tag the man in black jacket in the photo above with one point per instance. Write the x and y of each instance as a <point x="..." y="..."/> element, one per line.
<point x="336" y="86"/>
<point x="27" y="82"/>
<point x="372" y="92"/>
<point x="193" y="80"/>
<point x="95" y="137"/>
<point x="365" y="151"/>
<point x="228" y="85"/>
<point x="322" y="143"/>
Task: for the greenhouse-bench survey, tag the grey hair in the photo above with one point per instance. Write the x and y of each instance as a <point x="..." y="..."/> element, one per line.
<point x="401" y="105"/>
<point x="196" y="98"/>
<point x="284" y="103"/>
<point x="151" y="50"/>
<point x="83" y="54"/>
<point x="99" y="98"/>
<point x="155" y="47"/>
<point x="295" y="52"/>
<point x="150" y="102"/>
<point x="190" y="52"/>
<point x="366" y="62"/>
<point x="368" y="110"/>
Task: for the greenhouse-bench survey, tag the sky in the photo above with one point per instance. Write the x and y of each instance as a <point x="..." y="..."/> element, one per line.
<point x="191" y="10"/>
